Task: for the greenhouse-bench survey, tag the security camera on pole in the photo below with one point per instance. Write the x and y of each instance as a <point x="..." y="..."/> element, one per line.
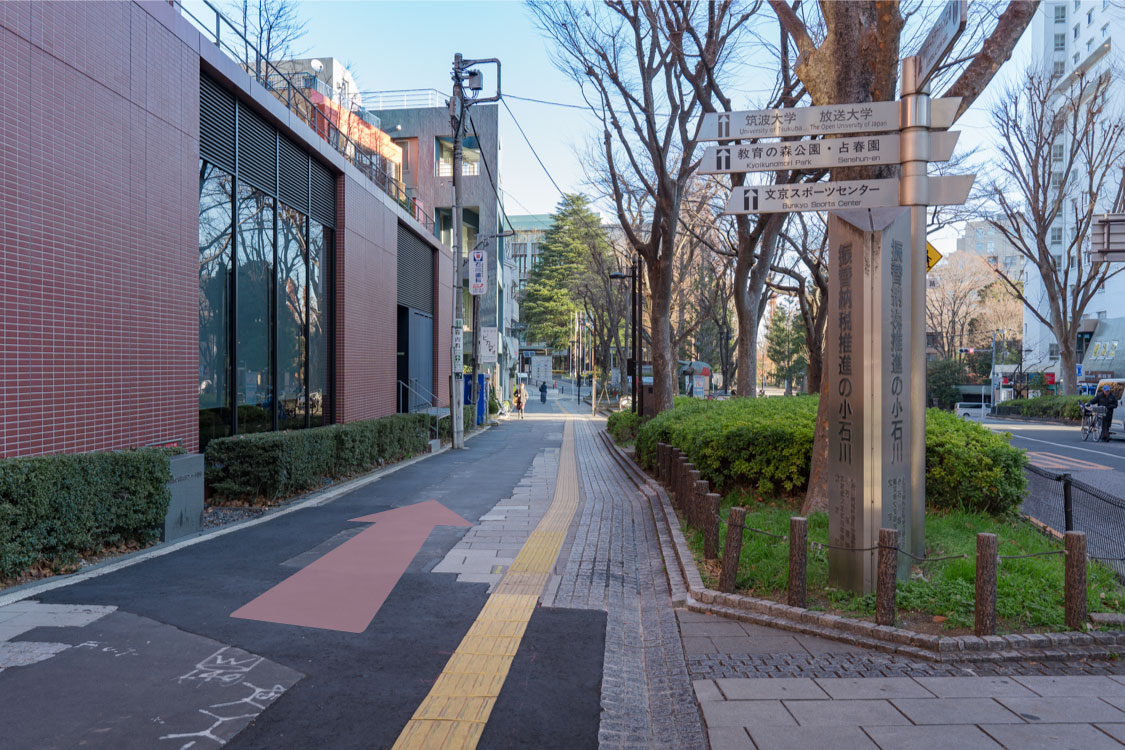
<point x="458" y="107"/>
<point x="875" y="344"/>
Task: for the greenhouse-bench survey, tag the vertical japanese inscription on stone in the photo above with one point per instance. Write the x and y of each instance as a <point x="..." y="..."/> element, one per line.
<point x="894" y="396"/>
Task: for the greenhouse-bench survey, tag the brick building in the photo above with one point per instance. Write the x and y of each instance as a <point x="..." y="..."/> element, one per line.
<point x="189" y="249"/>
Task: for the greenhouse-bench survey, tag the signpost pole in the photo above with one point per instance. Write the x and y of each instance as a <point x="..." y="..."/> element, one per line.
<point x="457" y="397"/>
<point x="915" y="193"/>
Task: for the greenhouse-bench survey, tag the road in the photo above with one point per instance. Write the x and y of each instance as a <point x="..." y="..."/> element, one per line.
<point x="1059" y="448"/>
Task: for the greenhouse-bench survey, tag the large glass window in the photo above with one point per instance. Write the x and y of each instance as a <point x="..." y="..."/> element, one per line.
<point x="254" y="386"/>
<point x="320" y="240"/>
<point x="215" y="188"/>
<point x="292" y="314"/>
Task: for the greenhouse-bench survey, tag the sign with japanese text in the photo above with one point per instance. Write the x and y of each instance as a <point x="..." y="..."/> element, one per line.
<point x="458" y="349"/>
<point x="813" y="196"/>
<point x="834" y="119"/>
<point x="489" y="344"/>
<point x="843" y="151"/>
<point x="940" y="40"/>
<point x="478" y="272"/>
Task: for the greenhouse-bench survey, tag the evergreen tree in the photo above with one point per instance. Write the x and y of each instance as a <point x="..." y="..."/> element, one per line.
<point x="785" y="345"/>
<point x="550" y="300"/>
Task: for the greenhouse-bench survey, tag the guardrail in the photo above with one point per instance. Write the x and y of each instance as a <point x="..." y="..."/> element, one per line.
<point x="227" y="37"/>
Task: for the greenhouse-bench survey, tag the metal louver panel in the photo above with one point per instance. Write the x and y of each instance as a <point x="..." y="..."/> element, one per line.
<point x="257" y="151"/>
<point x="415" y="272"/>
<point x="322" y="195"/>
<point x="216" y="124"/>
<point x="293" y="175"/>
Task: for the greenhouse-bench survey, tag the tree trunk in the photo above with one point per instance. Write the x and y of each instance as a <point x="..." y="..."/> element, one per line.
<point x="747" y="357"/>
<point x="816" y="496"/>
<point x="1068" y="371"/>
<point x="660" y="333"/>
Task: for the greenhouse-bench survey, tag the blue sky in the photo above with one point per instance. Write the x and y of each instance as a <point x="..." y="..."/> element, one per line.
<point x="410" y="45"/>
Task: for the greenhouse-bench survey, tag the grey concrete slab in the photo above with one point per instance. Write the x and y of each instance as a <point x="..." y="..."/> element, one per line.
<point x="776" y="645"/>
<point x="789" y="738"/>
<point x="761" y="631"/>
<point x="730" y="629"/>
<point x="733" y="645"/>
<point x="706" y="690"/>
<point x="1050" y="737"/>
<point x="1116" y="702"/>
<point x="815" y="645"/>
<point x="746" y="714"/>
<point x="932" y="738"/>
<point x="1061" y="710"/>
<point x="699" y="646"/>
<point x="1074" y="686"/>
<point x="1116" y="731"/>
<point x="851" y="688"/>
<point x="974" y="687"/>
<point x="956" y="711"/>
<point x="730" y="738"/>
<point x="751" y="688"/>
<point x="852" y="713"/>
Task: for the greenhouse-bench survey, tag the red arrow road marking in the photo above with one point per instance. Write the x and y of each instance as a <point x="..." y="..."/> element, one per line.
<point x="346" y="587"/>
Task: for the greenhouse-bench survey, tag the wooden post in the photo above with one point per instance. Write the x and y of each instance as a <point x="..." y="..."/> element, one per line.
<point x="681" y="482"/>
<point x="659" y="462"/>
<point x="1075" y="580"/>
<point x="732" y="552"/>
<point x="798" y="557"/>
<point x="987" y="559"/>
<point x="711" y="526"/>
<point x="886" y="577"/>
<point x="689" y="495"/>
<point x="697" y="514"/>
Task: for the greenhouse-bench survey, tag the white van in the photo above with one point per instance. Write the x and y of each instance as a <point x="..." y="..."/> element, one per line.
<point x="972" y="410"/>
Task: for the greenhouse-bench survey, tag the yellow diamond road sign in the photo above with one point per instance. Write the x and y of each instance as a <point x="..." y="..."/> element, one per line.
<point x="932" y="257"/>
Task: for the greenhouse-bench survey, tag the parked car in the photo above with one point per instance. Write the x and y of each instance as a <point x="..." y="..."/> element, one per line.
<point x="971" y="409"/>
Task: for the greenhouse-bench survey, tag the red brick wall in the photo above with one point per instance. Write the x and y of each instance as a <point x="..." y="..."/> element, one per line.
<point x="98" y="228"/>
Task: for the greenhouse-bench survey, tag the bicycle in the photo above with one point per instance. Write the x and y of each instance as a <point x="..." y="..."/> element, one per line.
<point x="1092" y="417"/>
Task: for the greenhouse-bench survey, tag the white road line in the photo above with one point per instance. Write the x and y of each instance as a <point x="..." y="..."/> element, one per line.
<point x="317" y="499"/>
<point x="1058" y="445"/>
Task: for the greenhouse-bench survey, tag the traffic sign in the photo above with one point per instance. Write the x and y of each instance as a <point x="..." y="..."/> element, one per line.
<point x="834" y="119"/>
<point x="940" y="40"/>
<point x="844" y="151"/>
<point x="843" y="194"/>
<point x="478" y="273"/>
<point x="932" y="257"/>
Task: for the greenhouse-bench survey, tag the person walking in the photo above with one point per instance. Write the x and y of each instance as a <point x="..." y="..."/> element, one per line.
<point x="519" y="399"/>
<point x="543" y="392"/>
<point x="1109" y="401"/>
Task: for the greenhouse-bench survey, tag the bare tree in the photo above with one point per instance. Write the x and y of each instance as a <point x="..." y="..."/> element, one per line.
<point x="805" y="278"/>
<point x="273" y="27"/>
<point x="623" y="53"/>
<point x="953" y="300"/>
<point x="849" y="52"/>
<point x="1060" y="147"/>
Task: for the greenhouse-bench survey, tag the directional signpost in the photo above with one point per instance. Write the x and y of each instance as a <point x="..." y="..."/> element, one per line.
<point x="478" y="273"/>
<point x="875" y="345"/>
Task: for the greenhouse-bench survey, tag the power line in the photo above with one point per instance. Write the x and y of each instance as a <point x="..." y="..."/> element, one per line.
<point x="533" y="151"/>
<point x="545" y="101"/>
<point x="488" y="171"/>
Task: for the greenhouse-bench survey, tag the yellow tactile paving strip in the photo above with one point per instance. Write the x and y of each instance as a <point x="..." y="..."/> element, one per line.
<point x="454" y="713"/>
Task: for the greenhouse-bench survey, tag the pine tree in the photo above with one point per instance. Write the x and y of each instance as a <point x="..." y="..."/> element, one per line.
<point x="785" y="345"/>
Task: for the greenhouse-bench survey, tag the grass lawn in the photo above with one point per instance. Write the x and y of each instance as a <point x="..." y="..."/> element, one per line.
<point x="939" y="596"/>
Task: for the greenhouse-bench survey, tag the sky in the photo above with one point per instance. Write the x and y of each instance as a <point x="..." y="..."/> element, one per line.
<point x="410" y="45"/>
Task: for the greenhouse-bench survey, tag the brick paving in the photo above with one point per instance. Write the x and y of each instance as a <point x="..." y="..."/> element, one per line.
<point x="612" y="561"/>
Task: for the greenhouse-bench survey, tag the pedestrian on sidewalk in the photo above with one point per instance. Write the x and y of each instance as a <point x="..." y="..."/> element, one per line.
<point x="543" y="392"/>
<point x="520" y="399"/>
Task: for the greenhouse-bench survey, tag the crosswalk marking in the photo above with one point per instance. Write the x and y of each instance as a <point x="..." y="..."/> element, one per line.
<point x="1055" y="462"/>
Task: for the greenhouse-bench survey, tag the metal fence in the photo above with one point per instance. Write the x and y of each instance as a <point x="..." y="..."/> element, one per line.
<point x="1067" y="504"/>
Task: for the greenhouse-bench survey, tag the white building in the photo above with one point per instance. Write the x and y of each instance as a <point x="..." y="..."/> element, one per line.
<point x="1073" y="37"/>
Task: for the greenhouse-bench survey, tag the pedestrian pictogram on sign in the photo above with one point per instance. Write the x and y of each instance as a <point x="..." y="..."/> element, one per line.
<point x="932" y="257"/>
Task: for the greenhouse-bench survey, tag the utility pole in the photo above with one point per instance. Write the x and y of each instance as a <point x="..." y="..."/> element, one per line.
<point x="458" y="108"/>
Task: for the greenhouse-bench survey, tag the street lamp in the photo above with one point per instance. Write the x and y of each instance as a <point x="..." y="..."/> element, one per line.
<point x="634" y="306"/>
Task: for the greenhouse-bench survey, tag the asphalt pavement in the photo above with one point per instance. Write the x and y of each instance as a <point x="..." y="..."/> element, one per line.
<point x="1060" y="448"/>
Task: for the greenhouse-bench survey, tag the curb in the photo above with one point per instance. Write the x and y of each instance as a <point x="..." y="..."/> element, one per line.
<point x="907" y="643"/>
<point x="310" y="500"/>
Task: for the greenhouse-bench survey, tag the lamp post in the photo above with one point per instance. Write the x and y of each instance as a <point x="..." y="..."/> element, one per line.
<point x="634" y="308"/>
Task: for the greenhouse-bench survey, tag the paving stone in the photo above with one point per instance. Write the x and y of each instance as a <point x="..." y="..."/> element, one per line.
<point x="1063" y="710"/>
<point x="699" y="646"/>
<point x="1100" y="687"/>
<point x="730" y="738"/>
<point x="725" y="628"/>
<point x="1050" y="736"/>
<point x="1117" y="731"/>
<point x="746" y="714"/>
<point x="956" y="711"/>
<point x="931" y="738"/>
<point x="850" y="688"/>
<point x="974" y="687"/>
<point x="776" y="689"/>
<point x="706" y="690"/>
<point x="845" y="713"/>
<point x="789" y="738"/>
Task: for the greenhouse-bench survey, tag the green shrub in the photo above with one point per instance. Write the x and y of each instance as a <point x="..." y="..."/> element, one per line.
<point x="623" y="426"/>
<point x="766" y="445"/>
<point x="1056" y="407"/>
<point x="272" y="465"/>
<point x="445" y="430"/>
<point x="493" y="405"/>
<point x="971" y="468"/>
<point x="56" y="507"/>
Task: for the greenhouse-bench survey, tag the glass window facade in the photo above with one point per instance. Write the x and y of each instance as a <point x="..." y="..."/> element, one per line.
<point x="263" y="303"/>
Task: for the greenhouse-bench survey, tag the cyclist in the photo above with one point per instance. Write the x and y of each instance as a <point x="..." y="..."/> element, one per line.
<point x="1109" y="401"/>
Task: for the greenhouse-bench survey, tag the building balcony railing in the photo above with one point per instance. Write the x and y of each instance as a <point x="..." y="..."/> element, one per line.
<point x="221" y="31"/>
<point x="403" y="99"/>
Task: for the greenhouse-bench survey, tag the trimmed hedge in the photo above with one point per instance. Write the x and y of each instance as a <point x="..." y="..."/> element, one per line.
<point x="766" y="445"/>
<point x="272" y="465"/>
<point x="623" y="425"/>
<point x="1057" y="407"/>
<point x="53" y="508"/>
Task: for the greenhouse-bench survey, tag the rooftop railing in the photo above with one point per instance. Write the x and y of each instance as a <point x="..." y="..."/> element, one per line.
<point x="233" y="42"/>
<point x="403" y="99"/>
